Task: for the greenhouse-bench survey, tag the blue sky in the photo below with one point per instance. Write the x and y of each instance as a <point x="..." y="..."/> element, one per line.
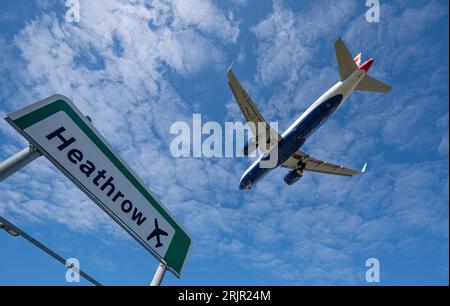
<point x="138" y="66"/>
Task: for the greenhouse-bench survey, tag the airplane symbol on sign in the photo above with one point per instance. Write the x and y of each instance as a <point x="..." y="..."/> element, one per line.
<point x="157" y="232"/>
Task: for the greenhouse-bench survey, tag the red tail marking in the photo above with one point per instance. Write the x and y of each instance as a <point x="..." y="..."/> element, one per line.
<point x="366" y="66"/>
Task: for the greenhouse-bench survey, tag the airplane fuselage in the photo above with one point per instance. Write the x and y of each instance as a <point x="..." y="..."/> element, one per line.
<point x="295" y="136"/>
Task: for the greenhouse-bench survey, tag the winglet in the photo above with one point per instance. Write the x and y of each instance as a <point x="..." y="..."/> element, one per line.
<point x="364" y="168"/>
<point x="232" y="63"/>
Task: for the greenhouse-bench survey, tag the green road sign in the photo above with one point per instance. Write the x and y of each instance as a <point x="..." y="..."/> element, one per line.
<point x="64" y="136"/>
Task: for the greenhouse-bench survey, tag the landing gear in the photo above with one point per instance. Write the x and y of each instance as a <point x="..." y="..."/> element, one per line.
<point x="301" y="165"/>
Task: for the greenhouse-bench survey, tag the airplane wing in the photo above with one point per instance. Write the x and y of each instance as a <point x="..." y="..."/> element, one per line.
<point x="314" y="165"/>
<point x="252" y="114"/>
<point x="152" y="234"/>
<point x="162" y="233"/>
<point x="155" y="232"/>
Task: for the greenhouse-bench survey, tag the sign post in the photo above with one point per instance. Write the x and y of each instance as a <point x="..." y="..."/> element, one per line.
<point x="60" y="132"/>
<point x="159" y="275"/>
<point x="17" y="162"/>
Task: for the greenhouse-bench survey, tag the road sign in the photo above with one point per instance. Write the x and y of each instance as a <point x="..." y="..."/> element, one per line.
<point x="66" y="138"/>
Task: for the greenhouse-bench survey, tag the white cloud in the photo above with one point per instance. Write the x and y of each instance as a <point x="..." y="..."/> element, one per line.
<point x="206" y="16"/>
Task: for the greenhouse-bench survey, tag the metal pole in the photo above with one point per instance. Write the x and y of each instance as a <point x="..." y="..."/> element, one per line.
<point x="8" y="225"/>
<point x="159" y="275"/>
<point x="18" y="161"/>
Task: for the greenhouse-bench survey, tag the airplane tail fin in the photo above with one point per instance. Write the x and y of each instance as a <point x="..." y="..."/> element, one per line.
<point x="344" y="59"/>
<point x="347" y="65"/>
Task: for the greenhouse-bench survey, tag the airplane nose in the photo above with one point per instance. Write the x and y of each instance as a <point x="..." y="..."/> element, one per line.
<point x="244" y="185"/>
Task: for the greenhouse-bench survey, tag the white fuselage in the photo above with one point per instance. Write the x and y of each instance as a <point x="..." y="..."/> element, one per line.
<point x="344" y="88"/>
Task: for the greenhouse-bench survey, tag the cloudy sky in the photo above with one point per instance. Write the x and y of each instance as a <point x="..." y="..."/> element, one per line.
<point x="138" y="66"/>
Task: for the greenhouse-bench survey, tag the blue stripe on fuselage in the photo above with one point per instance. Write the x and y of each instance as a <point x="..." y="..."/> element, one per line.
<point x="295" y="139"/>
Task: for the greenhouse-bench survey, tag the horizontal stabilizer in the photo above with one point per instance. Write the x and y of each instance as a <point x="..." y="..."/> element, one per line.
<point x="373" y="85"/>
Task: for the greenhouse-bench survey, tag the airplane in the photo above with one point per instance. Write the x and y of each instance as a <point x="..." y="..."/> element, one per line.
<point x="353" y="76"/>
<point x="157" y="232"/>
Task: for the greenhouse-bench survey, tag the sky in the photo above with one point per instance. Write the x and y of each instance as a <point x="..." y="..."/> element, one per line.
<point x="136" y="67"/>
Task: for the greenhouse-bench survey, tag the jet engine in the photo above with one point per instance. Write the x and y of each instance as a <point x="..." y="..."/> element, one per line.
<point x="293" y="176"/>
